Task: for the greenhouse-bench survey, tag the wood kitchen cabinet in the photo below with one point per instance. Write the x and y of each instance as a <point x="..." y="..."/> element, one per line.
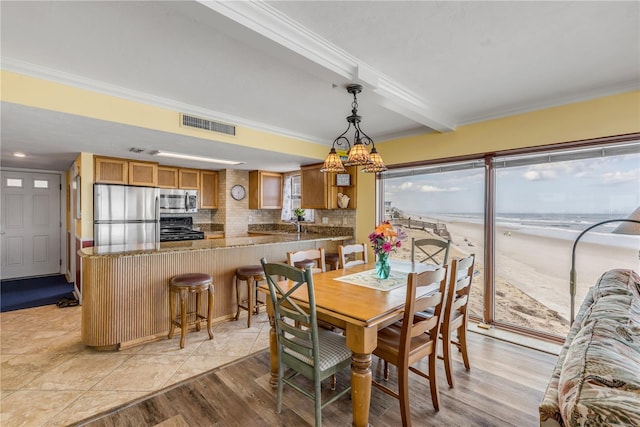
<point x="208" y="193"/>
<point x="143" y="173"/>
<point x="265" y="190"/>
<point x="320" y="189"/>
<point x="110" y="170"/>
<point x="167" y="177"/>
<point x="189" y="179"/>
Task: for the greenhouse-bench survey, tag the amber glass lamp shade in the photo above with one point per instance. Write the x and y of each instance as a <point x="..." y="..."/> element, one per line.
<point x="333" y="163"/>
<point x="376" y="165"/>
<point x="358" y="155"/>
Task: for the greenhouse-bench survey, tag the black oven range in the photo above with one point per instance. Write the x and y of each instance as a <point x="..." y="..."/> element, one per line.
<point x="178" y="228"/>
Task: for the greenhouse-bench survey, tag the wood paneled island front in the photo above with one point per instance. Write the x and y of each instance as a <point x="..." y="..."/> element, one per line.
<point x="125" y="289"/>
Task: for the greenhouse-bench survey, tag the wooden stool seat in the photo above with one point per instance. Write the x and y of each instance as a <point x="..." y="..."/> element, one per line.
<point x="332" y="259"/>
<point x="305" y="263"/>
<point x="249" y="274"/>
<point x="183" y="285"/>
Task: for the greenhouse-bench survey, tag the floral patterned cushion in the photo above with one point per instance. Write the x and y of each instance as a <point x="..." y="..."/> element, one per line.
<point x="596" y="380"/>
<point x="600" y="379"/>
<point x="617" y="282"/>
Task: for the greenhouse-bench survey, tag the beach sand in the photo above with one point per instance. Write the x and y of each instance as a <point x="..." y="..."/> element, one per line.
<point x="532" y="272"/>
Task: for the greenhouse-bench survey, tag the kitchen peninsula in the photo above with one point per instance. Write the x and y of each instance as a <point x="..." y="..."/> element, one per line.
<point x="125" y="299"/>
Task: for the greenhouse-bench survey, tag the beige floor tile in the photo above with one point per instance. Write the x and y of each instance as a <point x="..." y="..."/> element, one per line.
<point x="262" y="341"/>
<point x="142" y="373"/>
<point x="91" y="403"/>
<point x="257" y="323"/>
<point x="19" y="371"/>
<point x="237" y="345"/>
<point x="31" y="342"/>
<point x="79" y="373"/>
<point x="196" y="365"/>
<point x="31" y="408"/>
<point x="172" y="346"/>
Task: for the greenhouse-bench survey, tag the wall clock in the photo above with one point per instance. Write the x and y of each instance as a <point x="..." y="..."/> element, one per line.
<point x="238" y="192"/>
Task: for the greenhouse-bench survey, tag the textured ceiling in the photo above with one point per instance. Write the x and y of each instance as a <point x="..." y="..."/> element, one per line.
<point x="282" y="67"/>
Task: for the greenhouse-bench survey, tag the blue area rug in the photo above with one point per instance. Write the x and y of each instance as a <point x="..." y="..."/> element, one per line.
<point x="33" y="292"/>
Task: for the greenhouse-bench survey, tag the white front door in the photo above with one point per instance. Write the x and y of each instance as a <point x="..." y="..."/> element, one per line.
<point x="30" y="224"/>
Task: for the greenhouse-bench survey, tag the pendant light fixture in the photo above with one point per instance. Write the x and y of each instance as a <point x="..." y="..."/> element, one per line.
<point x="357" y="152"/>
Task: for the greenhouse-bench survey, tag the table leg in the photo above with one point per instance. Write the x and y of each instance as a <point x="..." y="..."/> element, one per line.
<point x="361" y="341"/>
<point x="273" y="346"/>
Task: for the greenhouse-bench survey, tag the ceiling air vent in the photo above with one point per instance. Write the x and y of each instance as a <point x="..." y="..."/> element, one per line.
<point x="210" y="125"/>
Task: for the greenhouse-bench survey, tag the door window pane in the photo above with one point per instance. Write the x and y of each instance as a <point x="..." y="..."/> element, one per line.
<point x="14" y="182"/>
<point x="40" y="183"/>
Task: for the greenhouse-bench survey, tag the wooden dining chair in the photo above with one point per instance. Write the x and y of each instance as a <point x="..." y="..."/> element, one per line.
<point x="352" y="255"/>
<point x="303" y="258"/>
<point x="454" y="317"/>
<point x="307" y="350"/>
<point x="415" y="337"/>
<point x="430" y="250"/>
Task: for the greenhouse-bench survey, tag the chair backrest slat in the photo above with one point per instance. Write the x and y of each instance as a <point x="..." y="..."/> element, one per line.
<point x="413" y="325"/>
<point x="459" y="287"/>
<point x="349" y="255"/>
<point x="316" y="255"/>
<point x="296" y="326"/>
<point x="429" y="250"/>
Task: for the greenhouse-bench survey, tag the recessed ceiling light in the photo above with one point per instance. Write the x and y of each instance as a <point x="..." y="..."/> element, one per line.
<point x="19" y="155"/>
<point x="196" y="158"/>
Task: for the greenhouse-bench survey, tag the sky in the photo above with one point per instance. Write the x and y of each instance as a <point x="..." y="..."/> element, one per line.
<point x="605" y="185"/>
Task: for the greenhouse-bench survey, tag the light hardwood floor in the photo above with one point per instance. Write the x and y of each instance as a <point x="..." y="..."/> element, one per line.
<point x="49" y="378"/>
<point x="503" y="388"/>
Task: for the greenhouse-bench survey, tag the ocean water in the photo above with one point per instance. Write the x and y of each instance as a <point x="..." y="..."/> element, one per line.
<point x="559" y="226"/>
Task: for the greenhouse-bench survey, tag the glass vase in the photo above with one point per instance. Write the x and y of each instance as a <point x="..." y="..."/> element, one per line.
<point x="382" y="266"/>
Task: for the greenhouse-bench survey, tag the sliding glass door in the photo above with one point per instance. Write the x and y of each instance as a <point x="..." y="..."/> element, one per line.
<point x="520" y="213"/>
<point x="445" y="202"/>
<point x="543" y="201"/>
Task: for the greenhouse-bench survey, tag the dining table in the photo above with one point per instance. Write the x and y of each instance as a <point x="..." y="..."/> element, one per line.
<point x="356" y="301"/>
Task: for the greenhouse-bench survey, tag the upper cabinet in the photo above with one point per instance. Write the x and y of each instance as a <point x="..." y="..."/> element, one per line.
<point x="189" y="179"/>
<point x="265" y="190"/>
<point x="110" y="170"/>
<point x="167" y="177"/>
<point x="143" y="173"/>
<point x="208" y="193"/>
<point x="320" y="190"/>
<point x="174" y="177"/>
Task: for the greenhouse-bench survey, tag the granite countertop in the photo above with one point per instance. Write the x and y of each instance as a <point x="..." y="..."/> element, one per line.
<point x="189" y="245"/>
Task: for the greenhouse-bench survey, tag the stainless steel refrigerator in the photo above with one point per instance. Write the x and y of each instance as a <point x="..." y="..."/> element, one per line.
<point x="125" y="215"/>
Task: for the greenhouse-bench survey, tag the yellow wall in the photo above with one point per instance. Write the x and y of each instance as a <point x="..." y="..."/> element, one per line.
<point x="34" y="92"/>
<point x="612" y="115"/>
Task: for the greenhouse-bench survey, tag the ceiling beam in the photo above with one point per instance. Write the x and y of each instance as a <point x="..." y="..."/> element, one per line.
<point x="328" y="60"/>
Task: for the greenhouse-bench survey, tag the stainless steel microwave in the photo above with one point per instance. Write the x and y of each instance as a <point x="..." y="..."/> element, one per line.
<point x="178" y="201"/>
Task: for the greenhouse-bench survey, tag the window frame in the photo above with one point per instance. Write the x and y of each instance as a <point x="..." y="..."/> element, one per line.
<point x="489" y="317"/>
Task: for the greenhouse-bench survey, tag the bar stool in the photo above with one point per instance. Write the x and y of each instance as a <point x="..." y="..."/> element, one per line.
<point x="302" y="264"/>
<point x="183" y="285"/>
<point x="250" y="274"/>
<point x="332" y="260"/>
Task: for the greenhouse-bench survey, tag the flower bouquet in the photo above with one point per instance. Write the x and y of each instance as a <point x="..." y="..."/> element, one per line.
<point x="384" y="240"/>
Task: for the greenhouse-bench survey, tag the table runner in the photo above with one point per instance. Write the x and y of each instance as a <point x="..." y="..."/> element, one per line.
<point x="369" y="279"/>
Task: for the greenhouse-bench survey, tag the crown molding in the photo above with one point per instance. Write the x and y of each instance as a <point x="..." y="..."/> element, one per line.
<point x="594" y="93"/>
<point x="267" y="21"/>
<point x="44" y="73"/>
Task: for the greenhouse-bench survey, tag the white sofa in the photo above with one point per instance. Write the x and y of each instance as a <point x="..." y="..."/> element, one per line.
<point x="596" y="381"/>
